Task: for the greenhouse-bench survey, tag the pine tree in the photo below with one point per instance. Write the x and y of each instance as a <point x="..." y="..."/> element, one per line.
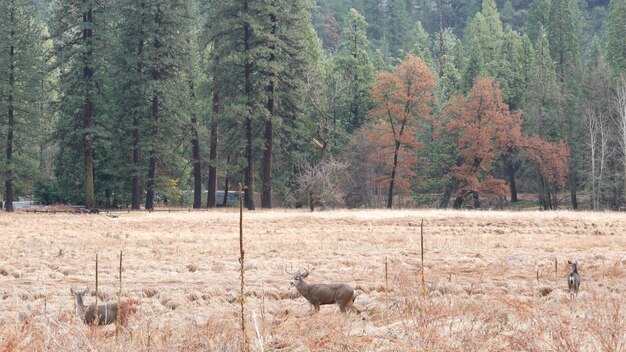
<point x="20" y="87"/>
<point x="165" y="49"/>
<point x="541" y="108"/>
<point x="265" y="49"/>
<point x="450" y="55"/>
<point x="423" y="45"/>
<point x="239" y="53"/>
<point x="374" y="13"/>
<point x="156" y="62"/>
<point x="543" y="92"/>
<point x="80" y="35"/>
<point x="290" y="41"/>
<point x="484" y="38"/>
<point x="537" y="18"/>
<point x="564" y="33"/>
<point x="616" y="37"/>
<point x="353" y="63"/>
<point x="398" y="28"/>
<point x="76" y="35"/>
<point x="133" y="82"/>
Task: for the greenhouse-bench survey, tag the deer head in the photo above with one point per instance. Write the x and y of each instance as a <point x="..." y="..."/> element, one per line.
<point x="297" y="278"/>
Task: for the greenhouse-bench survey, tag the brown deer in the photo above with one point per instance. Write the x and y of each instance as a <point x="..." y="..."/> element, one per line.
<point x="573" y="280"/>
<point x="107" y="313"/>
<point x="319" y="294"/>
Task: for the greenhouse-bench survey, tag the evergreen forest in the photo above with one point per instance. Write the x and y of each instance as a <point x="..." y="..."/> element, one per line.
<point x="314" y="104"/>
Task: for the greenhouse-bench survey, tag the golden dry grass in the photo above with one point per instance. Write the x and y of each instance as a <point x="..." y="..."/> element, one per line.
<point x="480" y="272"/>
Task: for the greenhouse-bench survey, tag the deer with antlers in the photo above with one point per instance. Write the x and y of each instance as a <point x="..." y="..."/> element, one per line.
<point x="319" y="294"/>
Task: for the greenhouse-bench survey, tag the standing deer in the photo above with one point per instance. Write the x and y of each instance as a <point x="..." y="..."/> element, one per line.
<point x="319" y="294"/>
<point x="573" y="280"/>
<point x="107" y="313"/>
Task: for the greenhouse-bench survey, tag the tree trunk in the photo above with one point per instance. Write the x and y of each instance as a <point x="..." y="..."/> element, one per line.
<point x="154" y="114"/>
<point x="212" y="186"/>
<point x="266" y="195"/>
<point x="195" y="154"/>
<point x="395" y="155"/>
<point x="510" y="170"/>
<point x="8" y="182"/>
<point x="151" y="182"/>
<point x="458" y="202"/>
<point x="226" y="188"/>
<point x="311" y="202"/>
<point x="476" y="200"/>
<point x="266" y="176"/>
<point x="445" y="199"/>
<point x="572" y="186"/>
<point x="249" y="178"/>
<point x="542" y="194"/>
<point x="393" y="176"/>
<point x="88" y="107"/>
<point x="136" y="186"/>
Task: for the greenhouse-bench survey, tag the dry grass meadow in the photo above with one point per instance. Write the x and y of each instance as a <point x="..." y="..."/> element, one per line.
<point x="490" y="280"/>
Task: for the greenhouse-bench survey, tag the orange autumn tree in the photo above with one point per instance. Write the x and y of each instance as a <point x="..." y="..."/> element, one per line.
<point x="403" y="100"/>
<point x="552" y="163"/>
<point x="484" y="127"/>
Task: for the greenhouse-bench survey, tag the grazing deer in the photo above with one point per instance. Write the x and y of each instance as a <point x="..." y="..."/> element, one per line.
<point x="107" y="313"/>
<point x="319" y="294"/>
<point x="573" y="280"/>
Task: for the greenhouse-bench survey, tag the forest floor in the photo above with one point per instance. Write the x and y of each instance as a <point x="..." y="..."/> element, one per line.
<point x="493" y="280"/>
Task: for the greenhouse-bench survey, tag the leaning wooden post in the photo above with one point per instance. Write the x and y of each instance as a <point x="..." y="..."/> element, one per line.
<point x="422" y="256"/>
<point x="386" y="278"/>
<point x="119" y="301"/>
<point x="97" y="315"/>
<point x="422" y="240"/>
<point x="537" y="276"/>
<point x="386" y="288"/>
<point x="556" y="270"/>
<point x="245" y="346"/>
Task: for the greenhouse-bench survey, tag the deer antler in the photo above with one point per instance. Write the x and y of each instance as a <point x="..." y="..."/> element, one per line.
<point x="287" y="271"/>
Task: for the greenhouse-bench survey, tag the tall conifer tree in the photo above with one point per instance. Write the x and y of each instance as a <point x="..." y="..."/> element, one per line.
<point x="20" y="88"/>
<point x="78" y="30"/>
<point x="616" y="37"/>
<point x="353" y="63"/>
<point x="564" y="33"/>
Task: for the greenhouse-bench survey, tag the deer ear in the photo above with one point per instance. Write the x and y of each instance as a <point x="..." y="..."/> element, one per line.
<point x="306" y="273"/>
<point x="72" y="290"/>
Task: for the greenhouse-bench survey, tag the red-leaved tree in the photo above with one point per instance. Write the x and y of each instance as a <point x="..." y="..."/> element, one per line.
<point x="484" y="127"/>
<point x="552" y="163"/>
<point x="403" y="102"/>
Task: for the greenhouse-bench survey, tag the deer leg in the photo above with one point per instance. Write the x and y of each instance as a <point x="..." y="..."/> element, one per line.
<point x="316" y="308"/>
<point x="351" y="307"/>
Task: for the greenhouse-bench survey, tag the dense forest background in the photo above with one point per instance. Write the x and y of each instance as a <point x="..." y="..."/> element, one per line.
<point x="357" y="103"/>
